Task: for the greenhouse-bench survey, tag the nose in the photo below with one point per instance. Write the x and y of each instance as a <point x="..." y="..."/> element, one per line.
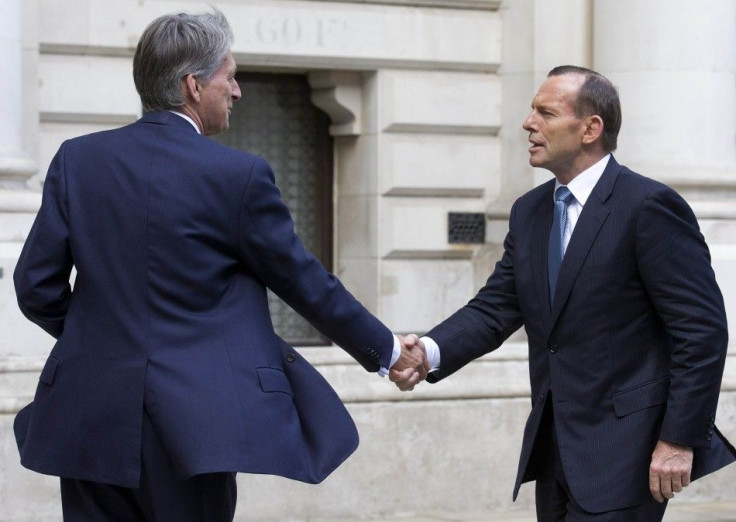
<point x="236" y="90"/>
<point x="528" y="124"/>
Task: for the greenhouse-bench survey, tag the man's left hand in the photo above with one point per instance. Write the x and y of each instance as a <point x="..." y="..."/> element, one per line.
<point x="670" y="469"/>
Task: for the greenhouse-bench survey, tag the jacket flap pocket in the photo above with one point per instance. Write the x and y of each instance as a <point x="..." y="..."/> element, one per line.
<point x="273" y="380"/>
<point x="49" y="370"/>
<point x="644" y="396"/>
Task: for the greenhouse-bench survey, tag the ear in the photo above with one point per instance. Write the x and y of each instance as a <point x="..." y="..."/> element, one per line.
<point x="191" y="87"/>
<point x="593" y="129"/>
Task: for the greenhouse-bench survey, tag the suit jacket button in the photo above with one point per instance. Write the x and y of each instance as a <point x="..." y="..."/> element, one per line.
<point x="708" y="437"/>
<point x="291" y="358"/>
<point x="553" y="348"/>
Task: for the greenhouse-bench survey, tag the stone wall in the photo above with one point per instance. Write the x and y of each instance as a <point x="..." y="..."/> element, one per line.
<point x="426" y="99"/>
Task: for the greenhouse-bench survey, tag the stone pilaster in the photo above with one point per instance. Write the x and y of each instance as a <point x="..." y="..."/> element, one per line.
<point x="674" y="62"/>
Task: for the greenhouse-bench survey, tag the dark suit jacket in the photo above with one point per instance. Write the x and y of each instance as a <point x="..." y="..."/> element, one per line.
<point x="633" y="348"/>
<point x="175" y="238"/>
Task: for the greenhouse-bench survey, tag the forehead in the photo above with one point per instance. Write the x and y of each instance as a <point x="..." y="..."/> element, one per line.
<point x="228" y="64"/>
<point x="559" y="91"/>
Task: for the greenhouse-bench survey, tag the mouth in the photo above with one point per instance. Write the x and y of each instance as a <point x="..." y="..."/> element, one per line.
<point x="536" y="145"/>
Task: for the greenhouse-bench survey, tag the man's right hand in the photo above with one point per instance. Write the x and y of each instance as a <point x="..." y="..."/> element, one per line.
<point x="412" y="366"/>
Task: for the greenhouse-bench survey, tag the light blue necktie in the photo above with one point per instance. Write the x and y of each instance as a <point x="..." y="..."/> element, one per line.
<point x="557" y="237"/>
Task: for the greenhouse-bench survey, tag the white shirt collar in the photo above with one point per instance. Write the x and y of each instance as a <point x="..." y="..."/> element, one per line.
<point x="188" y="119"/>
<point x="582" y="185"/>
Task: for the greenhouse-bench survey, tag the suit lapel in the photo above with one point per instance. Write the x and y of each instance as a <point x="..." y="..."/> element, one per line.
<point x="591" y="220"/>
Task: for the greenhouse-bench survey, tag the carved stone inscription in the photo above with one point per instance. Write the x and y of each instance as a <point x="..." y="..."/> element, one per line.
<point x="294" y="31"/>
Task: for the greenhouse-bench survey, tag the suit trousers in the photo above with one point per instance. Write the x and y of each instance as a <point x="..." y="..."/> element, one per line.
<point x="161" y="497"/>
<point x="554" y="500"/>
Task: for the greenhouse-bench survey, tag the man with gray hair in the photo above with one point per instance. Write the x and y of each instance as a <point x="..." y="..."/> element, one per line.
<point x="167" y="377"/>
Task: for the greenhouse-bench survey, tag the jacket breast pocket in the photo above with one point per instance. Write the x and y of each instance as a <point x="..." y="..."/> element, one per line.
<point x="274" y="380"/>
<point x="49" y="370"/>
<point x="646" y="395"/>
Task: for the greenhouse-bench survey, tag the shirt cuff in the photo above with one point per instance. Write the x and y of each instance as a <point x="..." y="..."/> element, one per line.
<point x="433" y="353"/>
<point x="383" y="372"/>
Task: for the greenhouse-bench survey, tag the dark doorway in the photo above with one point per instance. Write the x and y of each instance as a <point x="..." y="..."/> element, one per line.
<point x="276" y="120"/>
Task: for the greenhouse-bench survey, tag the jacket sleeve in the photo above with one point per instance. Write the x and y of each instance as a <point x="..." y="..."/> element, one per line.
<point x="41" y="276"/>
<point x="674" y="264"/>
<point x="485" y="322"/>
<point x="272" y="250"/>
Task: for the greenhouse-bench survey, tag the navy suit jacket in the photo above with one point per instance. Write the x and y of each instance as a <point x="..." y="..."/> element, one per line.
<point x="174" y="239"/>
<point x="632" y="348"/>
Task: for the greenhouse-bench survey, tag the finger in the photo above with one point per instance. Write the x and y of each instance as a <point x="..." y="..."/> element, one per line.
<point x="409" y="384"/>
<point x="422" y="369"/>
<point x="666" y="486"/>
<point x="676" y="484"/>
<point x="654" y="487"/>
<point x="399" y="376"/>
<point x="427" y="367"/>
<point x="411" y="340"/>
<point x="419" y="359"/>
<point x="402" y="376"/>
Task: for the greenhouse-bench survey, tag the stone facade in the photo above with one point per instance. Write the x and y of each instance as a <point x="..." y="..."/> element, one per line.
<point x="426" y="99"/>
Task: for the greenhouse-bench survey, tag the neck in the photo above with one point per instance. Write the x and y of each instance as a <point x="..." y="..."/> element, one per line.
<point x="580" y="164"/>
<point x="186" y="109"/>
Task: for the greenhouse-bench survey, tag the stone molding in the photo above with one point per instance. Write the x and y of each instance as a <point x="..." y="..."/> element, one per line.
<point x="479" y="130"/>
<point x="87" y="118"/>
<point x="489" y="5"/>
<point x="340" y="95"/>
<point x="21" y="201"/>
<point x="17" y="168"/>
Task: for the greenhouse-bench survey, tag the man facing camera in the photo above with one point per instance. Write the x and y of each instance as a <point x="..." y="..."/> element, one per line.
<point x="166" y="377"/>
<point x="611" y="278"/>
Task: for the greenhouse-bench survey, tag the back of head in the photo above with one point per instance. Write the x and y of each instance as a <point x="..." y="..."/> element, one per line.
<point x="597" y="96"/>
<point x="173" y="46"/>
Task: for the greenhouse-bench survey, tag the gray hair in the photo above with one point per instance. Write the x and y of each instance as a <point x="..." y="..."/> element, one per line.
<point x="173" y="46"/>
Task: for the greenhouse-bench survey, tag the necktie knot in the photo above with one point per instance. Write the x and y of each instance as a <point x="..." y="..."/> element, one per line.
<point x="563" y="194"/>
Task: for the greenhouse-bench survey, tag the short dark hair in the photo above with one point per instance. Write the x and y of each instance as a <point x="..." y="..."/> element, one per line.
<point x="173" y="46"/>
<point x="597" y="96"/>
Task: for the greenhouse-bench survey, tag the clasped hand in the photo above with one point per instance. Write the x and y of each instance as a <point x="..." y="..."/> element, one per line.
<point x="412" y="366"/>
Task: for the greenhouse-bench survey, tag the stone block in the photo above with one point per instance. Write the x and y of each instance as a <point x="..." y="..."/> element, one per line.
<point x="101" y="85"/>
<point x="418" y="227"/>
<point x="439" y="101"/>
<point x="424" y="164"/>
<point x="416" y="294"/>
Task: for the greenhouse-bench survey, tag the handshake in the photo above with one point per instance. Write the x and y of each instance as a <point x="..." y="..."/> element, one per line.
<point x="412" y="365"/>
